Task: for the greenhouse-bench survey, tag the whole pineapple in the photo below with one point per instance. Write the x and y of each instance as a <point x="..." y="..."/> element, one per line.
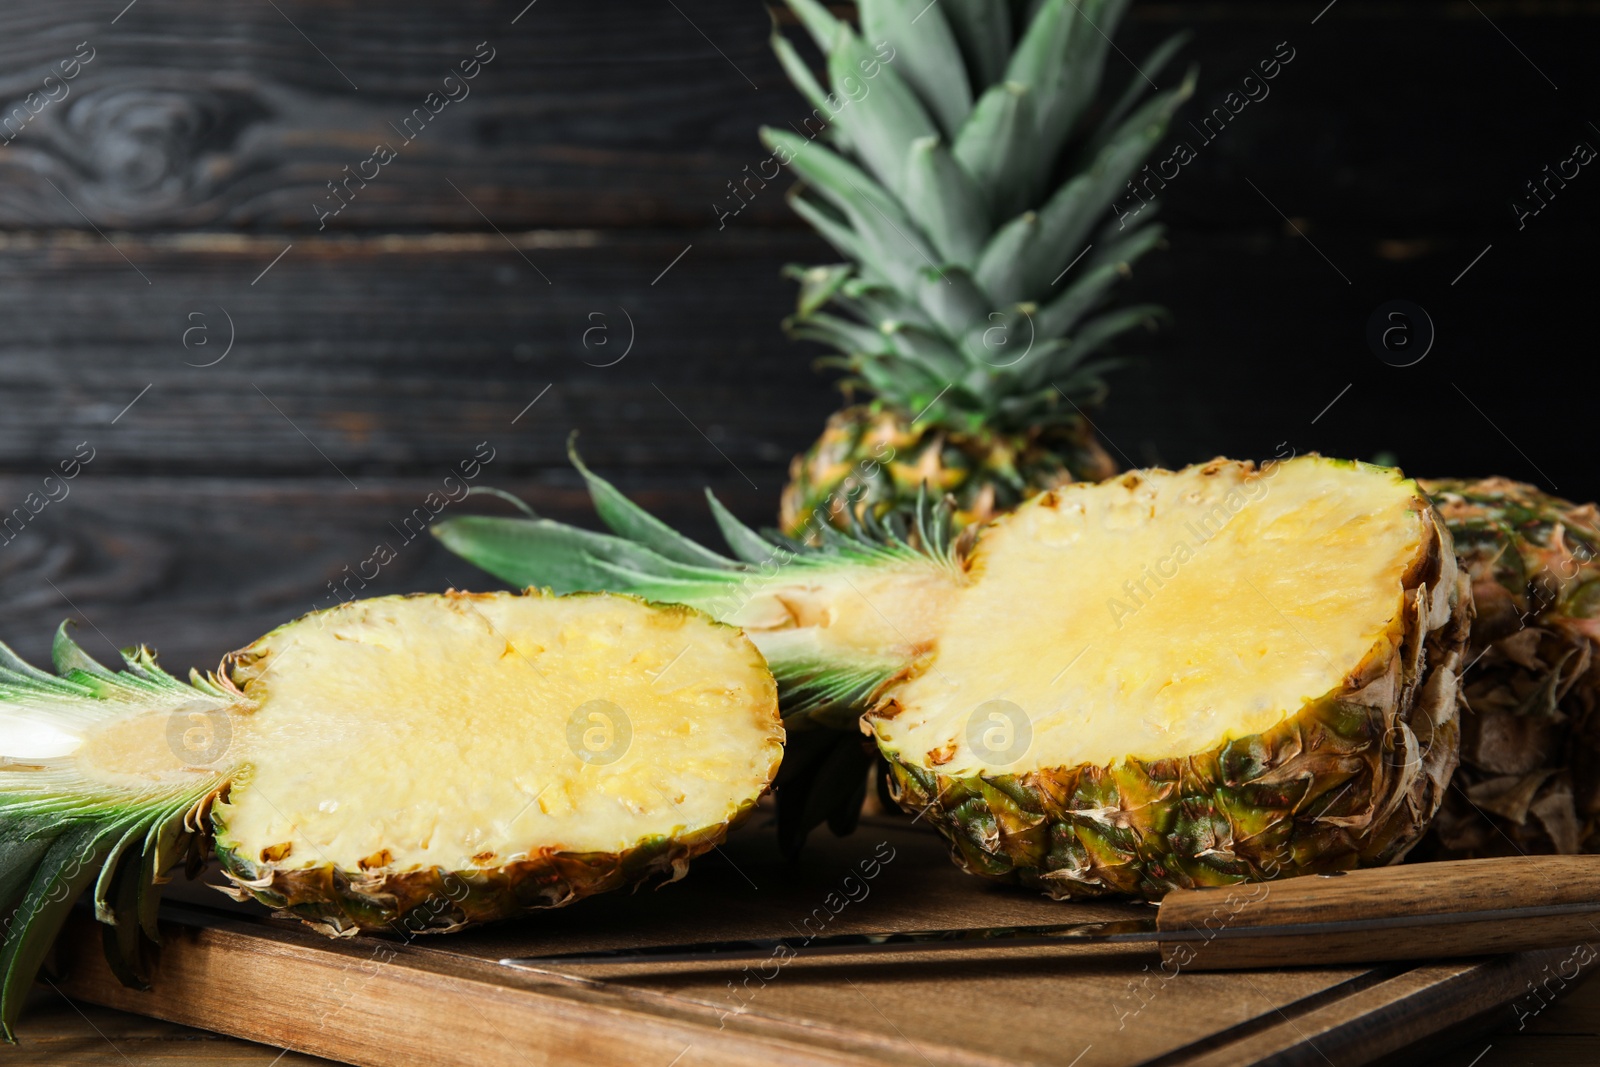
<point x="966" y="177"/>
<point x="1530" y="746"/>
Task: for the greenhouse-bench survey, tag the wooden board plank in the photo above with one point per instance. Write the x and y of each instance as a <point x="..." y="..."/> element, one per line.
<point x="197" y="114"/>
<point x="395" y="1001"/>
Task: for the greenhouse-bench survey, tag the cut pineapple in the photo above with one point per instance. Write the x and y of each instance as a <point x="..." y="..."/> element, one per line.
<point x="417" y="763"/>
<point x="1194" y="613"/>
<point x="1166" y="680"/>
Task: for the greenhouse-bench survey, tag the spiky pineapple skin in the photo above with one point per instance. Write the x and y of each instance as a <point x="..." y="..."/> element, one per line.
<point x="874" y="455"/>
<point x="1530" y="756"/>
<point x="1325" y="790"/>
<point x="343" y="903"/>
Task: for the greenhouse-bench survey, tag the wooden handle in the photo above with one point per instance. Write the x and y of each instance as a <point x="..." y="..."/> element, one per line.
<point x="1428" y="911"/>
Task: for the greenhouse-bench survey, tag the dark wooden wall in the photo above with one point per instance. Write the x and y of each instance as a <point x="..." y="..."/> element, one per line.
<point x="551" y="209"/>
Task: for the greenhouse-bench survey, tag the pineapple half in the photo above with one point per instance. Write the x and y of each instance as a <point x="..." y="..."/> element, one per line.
<point x="1169" y="679"/>
<point x="406" y="763"/>
<point x="962" y="162"/>
<point x="1529" y="780"/>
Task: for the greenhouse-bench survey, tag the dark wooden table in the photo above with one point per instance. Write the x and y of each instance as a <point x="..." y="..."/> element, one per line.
<point x="269" y="390"/>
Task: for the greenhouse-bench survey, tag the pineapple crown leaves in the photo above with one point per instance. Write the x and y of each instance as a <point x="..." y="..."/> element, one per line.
<point x="60" y="832"/>
<point x="944" y="136"/>
<point x="645" y="557"/>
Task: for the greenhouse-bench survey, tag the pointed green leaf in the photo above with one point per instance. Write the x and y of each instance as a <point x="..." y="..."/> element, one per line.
<point x="946" y="203"/>
<point x="1071" y="88"/>
<point x="832" y="229"/>
<point x="997" y="148"/>
<point x="746" y="544"/>
<point x="818" y="21"/>
<point x="1079" y="298"/>
<point x="1152" y="67"/>
<point x="804" y="80"/>
<point x="952" y="300"/>
<point x="983" y="30"/>
<point x="541" y="553"/>
<point x="20" y="853"/>
<point x="818" y="284"/>
<point x="1075" y="210"/>
<point x="70" y="864"/>
<point x="1002" y="268"/>
<point x="883" y="122"/>
<point x="927" y="350"/>
<point x="925" y="54"/>
<point x="629" y="520"/>
<point x="69" y="657"/>
<point x="848" y="337"/>
<point x="1043" y="47"/>
<point x="123" y="939"/>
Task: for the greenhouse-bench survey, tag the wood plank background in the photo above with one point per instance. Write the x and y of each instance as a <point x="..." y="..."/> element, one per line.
<point x="576" y="206"/>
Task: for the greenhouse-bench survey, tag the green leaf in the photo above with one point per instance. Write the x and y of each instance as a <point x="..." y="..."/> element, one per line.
<point x="1094" y="336"/>
<point x="745" y="543"/>
<point x="69" y="865"/>
<point x="997" y="147"/>
<point x="1039" y="55"/>
<point x="952" y="300"/>
<point x="983" y="29"/>
<point x="123" y="939"/>
<point x="818" y="284"/>
<point x="925" y="54"/>
<point x="881" y="124"/>
<point x="927" y="349"/>
<point x="20" y="853"/>
<point x="818" y="21"/>
<point x="629" y="520"/>
<point x="1153" y="65"/>
<point x="1002" y="268"/>
<point x="1070" y="89"/>
<point x="544" y="553"/>
<point x="947" y="204"/>
<point x="848" y="337"/>
<point x="804" y="80"/>
<point x="1075" y="209"/>
<point x="876" y="218"/>
<point x="836" y="233"/>
<point x="69" y="657"/>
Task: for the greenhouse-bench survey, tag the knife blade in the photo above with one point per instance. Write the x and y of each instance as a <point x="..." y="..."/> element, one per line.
<point x="1422" y="911"/>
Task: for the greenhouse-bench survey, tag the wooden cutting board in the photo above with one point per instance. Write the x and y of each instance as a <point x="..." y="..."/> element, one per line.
<point x="443" y="1000"/>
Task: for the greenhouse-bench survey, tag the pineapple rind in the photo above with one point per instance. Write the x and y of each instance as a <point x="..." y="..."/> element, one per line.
<point x="341" y="903"/>
<point x="875" y="458"/>
<point x="1529" y="780"/>
<point x="1324" y="790"/>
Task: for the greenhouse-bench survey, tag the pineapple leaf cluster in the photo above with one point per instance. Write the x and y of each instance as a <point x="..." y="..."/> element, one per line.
<point x="968" y="163"/>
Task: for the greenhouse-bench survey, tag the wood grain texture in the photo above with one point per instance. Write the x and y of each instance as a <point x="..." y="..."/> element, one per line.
<point x="391" y="356"/>
<point x="1458" y="890"/>
<point x="390" y="1001"/>
<point x="194" y="114"/>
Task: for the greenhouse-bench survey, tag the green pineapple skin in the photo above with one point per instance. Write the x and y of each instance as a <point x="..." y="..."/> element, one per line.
<point x="1530" y="756"/>
<point x="1323" y="791"/>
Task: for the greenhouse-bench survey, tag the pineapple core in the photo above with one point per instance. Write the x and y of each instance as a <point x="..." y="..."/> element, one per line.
<point x="1160" y="614"/>
<point x="466" y="732"/>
